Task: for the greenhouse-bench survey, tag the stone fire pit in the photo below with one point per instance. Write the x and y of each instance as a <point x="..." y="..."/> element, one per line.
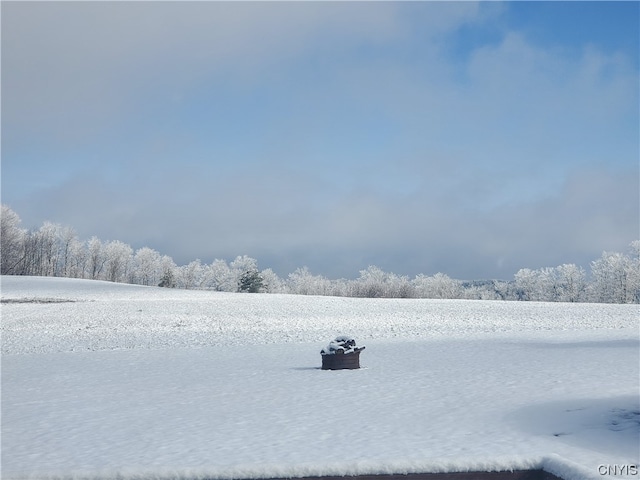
<point x="340" y="354"/>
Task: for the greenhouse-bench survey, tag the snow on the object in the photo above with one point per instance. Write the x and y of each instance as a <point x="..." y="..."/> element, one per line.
<point x="139" y="382"/>
<point x="343" y="344"/>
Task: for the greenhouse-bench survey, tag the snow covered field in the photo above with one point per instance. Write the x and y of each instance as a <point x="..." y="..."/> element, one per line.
<point x="103" y="380"/>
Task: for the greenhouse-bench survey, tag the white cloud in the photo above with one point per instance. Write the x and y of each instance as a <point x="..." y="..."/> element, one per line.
<point x="79" y="63"/>
<point x="84" y="65"/>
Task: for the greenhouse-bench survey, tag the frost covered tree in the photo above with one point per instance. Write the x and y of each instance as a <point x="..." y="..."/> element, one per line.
<point x="168" y="267"/>
<point x="374" y="283"/>
<point x="78" y="256"/>
<point x="118" y="257"/>
<point x="31" y="257"/>
<point x="528" y="285"/>
<point x="48" y="244"/>
<point x="615" y="277"/>
<point x="398" y="286"/>
<point x="67" y="240"/>
<point x="40" y="251"/>
<point x="95" y="258"/>
<point x="633" y="277"/>
<point x="35" y="252"/>
<point x="571" y="281"/>
<point x="486" y="290"/>
<point x="250" y="282"/>
<point x="303" y="282"/>
<point x="12" y="239"/>
<point x="248" y="278"/>
<point x="541" y="285"/>
<point x="568" y="282"/>
<point x="55" y="250"/>
<point x="439" y="285"/>
<point x="147" y="267"/>
<point x="371" y="283"/>
<point x="340" y="288"/>
<point x="548" y="285"/>
<point x="189" y="276"/>
<point x="271" y="282"/>
<point x="220" y="277"/>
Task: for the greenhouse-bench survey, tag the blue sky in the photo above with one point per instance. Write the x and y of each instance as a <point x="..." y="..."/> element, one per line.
<point x="468" y="138"/>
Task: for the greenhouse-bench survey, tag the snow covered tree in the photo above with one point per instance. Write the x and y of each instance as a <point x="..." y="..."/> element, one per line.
<point x="220" y="277"/>
<point x="439" y="285"/>
<point x="633" y="277"/>
<point x="67" y="241"/>
<point x="78" y="257"/>
<point x="539" y="285"/>
<point x="398" y="286"/>
<point x="188" y="276"/>
<point x="485" y="290"/>
<point x="302" y="282"/>
<point x="370" y="284"/>
<point x="96" y="258"/>
<point x="548" y="285"/>
<point x="611" y="283"/>
<point x="12" y="239"/>
<point x="615" y="278"/>
<point x="526" y="284"/>
<point x="376" y="283"/>
<point x="118" y="260"/>
<point x="40" y="251"/>
<point x="55" y="250"/>
<point x="168" y="278"/>
<point x="147" y="266"/>
<point x="571" y="281"/>
<point x="250" y="282"/>
<point x="245" y="270"/>
<point x="48" y="239"/>
<point x="271" y="282"/>
<point x="342" y="288"/>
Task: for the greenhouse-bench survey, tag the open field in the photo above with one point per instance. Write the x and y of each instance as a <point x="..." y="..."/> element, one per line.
<point x="104" y="380"/>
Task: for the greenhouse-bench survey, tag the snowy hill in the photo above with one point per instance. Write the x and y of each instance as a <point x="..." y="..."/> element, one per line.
<point x="46" y="315"/>
<point x="104" y="380"/>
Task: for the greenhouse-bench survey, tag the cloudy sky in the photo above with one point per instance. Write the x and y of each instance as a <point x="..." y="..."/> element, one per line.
<point x="466" y="138"/>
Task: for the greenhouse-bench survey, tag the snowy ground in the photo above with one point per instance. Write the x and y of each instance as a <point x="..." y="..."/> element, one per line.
<point x="101" y="380"/>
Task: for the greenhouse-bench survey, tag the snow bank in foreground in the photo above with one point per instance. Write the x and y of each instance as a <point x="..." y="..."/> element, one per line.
<point x="445" y="385"/>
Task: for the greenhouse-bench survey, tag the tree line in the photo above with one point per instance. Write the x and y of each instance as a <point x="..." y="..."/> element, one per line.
<point x="55" y="250"/>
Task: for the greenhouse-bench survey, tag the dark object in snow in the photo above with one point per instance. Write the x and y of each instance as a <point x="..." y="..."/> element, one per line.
<point x="340" y="354"/>
<point x="503" y="475"/>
